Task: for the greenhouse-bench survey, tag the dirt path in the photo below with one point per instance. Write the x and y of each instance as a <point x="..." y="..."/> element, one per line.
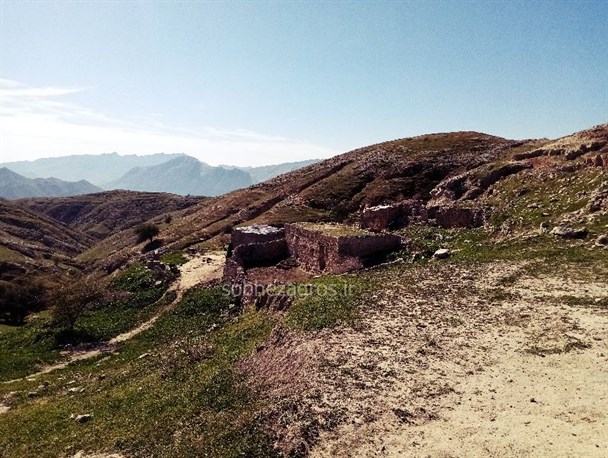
<point x="200" y="269"/>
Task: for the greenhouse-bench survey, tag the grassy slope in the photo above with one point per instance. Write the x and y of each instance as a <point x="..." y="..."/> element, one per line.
<point x="25" y="348"/>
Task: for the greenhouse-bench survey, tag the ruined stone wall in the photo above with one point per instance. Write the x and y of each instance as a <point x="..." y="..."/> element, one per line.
<point x="392" y="216"/>
<point x="363" y="247"/>
<point x="261" y="254"/>
<point x="382" y="217"/>
<point x="319" y="253"/>
<point x="255" y="234"/>
<point x="254" y="255"/>
<point x="456" y="216"/>
<point x="311" y="249"/>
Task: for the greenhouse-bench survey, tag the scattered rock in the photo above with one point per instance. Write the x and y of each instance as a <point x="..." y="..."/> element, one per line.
<point x="32" y="394"/>
<point x="602" y="240"/>
<point x="143" y="355"/>
<point x="83" y="418"/>
<point x="442" y="253"/>
<point x="570" y="233"/>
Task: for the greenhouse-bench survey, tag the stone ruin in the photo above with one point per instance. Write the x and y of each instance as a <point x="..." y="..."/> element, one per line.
<point x="325" y="248"/>
<point x="254" y="246"/>
<point x="311" y="248"/>
<point x="387" y="217"/>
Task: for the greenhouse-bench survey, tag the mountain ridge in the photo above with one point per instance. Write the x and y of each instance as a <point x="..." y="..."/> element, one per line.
<point x="15" y="186"/>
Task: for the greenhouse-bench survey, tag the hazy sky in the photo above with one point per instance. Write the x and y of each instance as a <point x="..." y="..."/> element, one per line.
<point x="250" y="83"/>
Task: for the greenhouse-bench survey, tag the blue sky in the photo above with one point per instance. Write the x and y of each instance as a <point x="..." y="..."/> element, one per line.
<point x="250" y="83"/>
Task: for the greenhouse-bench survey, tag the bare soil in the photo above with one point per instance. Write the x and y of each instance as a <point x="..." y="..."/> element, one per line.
<point x="456" y="361"/>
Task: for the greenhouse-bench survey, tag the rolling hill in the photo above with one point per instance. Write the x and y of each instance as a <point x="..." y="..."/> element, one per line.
<point x="438" y="169"/>
<point x="102" y="214"/>
<point x="33" y="244"/>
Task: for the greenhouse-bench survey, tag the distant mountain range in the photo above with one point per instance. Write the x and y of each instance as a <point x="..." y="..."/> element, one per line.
<point x="183" y="175"/>
<point x="173" y="173"/>
<point x="15" y="186"/>
<point x="97" y="169"/>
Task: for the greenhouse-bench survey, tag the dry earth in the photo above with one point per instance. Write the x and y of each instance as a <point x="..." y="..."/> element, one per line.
<point x="456" y="361"/>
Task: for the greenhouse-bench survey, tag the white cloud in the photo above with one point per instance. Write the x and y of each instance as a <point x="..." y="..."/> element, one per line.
<point x="38" y="122"/>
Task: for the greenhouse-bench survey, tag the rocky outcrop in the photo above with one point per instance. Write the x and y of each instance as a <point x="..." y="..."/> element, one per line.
<point x="570" y="233"/>
<point x="599" y="160"/>
<point x="598" y="201"/>
<point x="472" y="184"/>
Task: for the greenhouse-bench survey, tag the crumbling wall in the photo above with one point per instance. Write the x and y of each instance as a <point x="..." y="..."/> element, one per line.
<point x="366" y="246"/>
<point x="250" y="255"/>
<point x="311" y="249"/>
<point x="320" y="253"/>
<point x="452" y="216"/>
<point x="392" y="216"/>
<point x="382" y="217"/>
<point x="255" y="234"/>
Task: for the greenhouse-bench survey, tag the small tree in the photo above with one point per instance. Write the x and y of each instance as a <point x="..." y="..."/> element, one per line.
<point x="146" y="231"/>
<point x="70" y="302"/>
<point x="18" y="299"/>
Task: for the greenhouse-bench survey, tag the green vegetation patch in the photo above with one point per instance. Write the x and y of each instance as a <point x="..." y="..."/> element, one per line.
<point x="328" y="301"/>
<point x="134" y="278"/>
<point x="23" y="348"/>
<point x="336" y="230"/>
<point x="519" y="201"/>
<point x="177" y="258"/>
<point x="133" y="298"/>
<point x="172" y="391"/>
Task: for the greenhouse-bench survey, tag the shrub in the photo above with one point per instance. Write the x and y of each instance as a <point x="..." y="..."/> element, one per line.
<point x="18" y="299"/>
<point x="146" y="231"/>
